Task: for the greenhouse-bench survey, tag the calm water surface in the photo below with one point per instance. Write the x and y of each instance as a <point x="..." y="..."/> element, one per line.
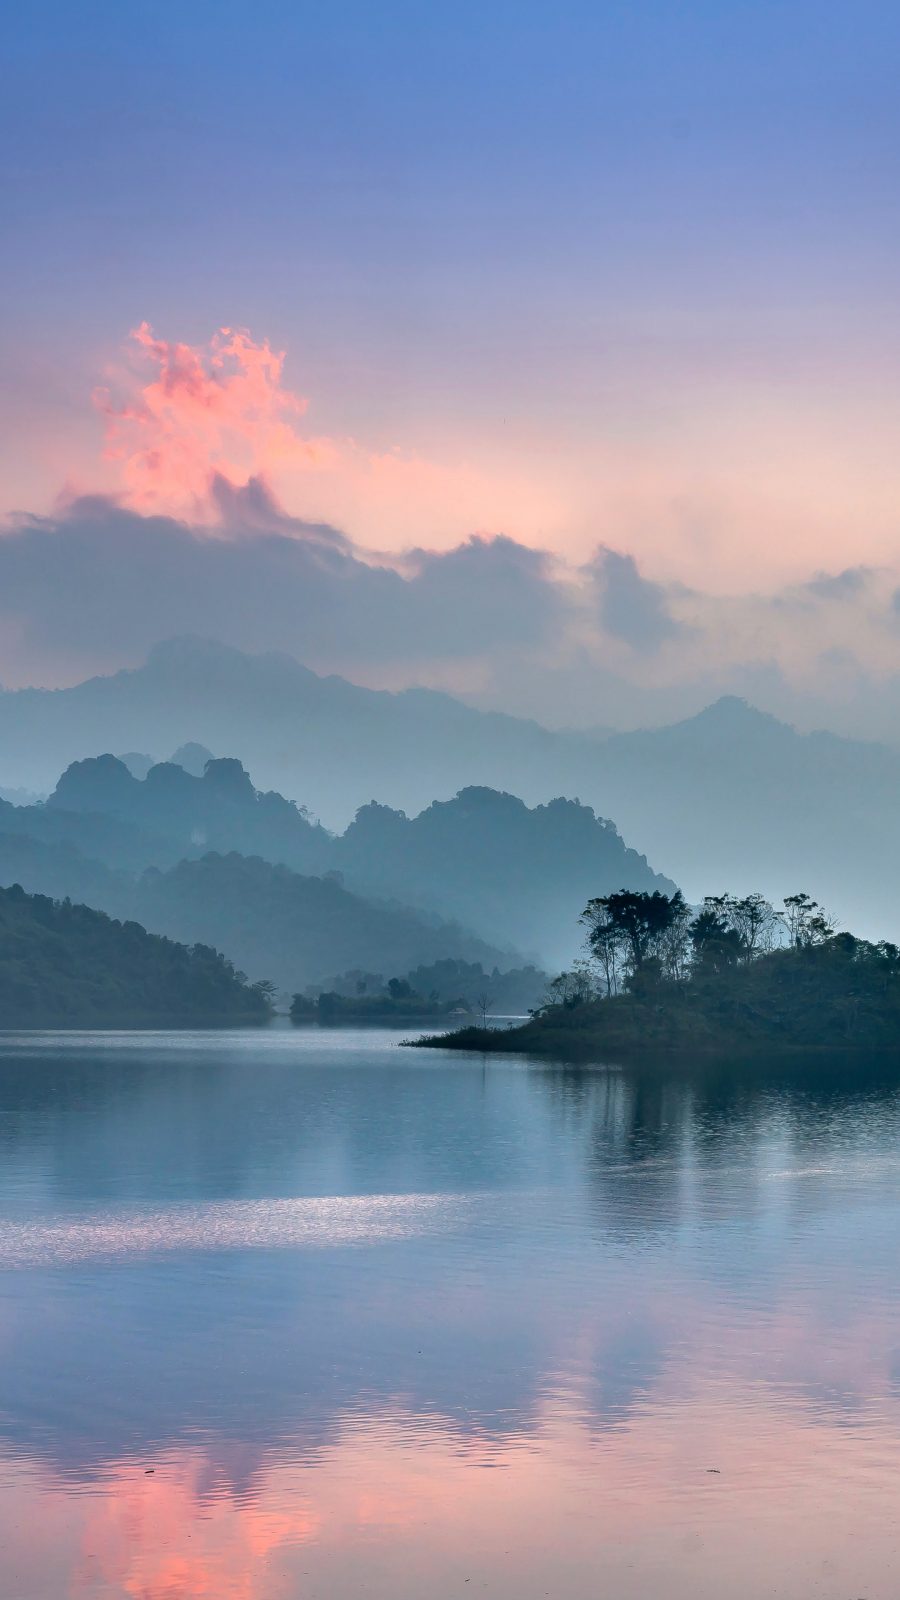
<point x="305" y="1315"/>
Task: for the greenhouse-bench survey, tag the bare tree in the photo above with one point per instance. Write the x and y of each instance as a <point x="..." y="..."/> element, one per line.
<point x="674" y="941"/>
<point x="483" y="1003"/>
<point x="807" y="922"/>
<point x="604" y="943"/>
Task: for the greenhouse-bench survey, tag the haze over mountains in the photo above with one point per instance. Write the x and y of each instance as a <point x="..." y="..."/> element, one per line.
<point x="287" y="899"/>
<point x="324" y="741"/>
<point x="273" y="923"/>
<point x="731" y="797"/>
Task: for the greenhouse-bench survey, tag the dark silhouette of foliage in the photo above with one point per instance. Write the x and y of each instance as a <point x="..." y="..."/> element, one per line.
<point x="716" y="945"/>
<point x="730" y="988"/>
<point x="640" y="920"/>
<point x="66" y="965"/>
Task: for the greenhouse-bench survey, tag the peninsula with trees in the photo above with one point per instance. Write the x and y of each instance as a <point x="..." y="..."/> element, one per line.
<point x="734" y="977"/>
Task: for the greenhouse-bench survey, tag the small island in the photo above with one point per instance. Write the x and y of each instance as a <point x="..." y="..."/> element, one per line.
<point x="67" y="966"/>
<point x="735" y="977"/>
<point x="449" y="989"/>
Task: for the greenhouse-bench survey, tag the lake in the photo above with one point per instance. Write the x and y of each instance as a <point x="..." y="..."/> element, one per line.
<point x="307" y="1315"/>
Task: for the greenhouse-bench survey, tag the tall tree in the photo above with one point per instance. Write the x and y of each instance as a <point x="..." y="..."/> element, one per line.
<point x="639" y="921"/>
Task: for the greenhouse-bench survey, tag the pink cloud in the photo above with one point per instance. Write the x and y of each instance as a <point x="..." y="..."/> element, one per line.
<point x="186" y="424"/>
<point x="202" y="414"/>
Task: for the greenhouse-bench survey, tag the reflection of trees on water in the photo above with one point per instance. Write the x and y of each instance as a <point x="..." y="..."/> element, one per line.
<point x="767" y="1203"/>
<point x="660" y="1147"/>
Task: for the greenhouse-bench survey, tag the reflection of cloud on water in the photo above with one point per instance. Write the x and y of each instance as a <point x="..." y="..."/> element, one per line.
<point x="324" y="1223"/>
<point x="159" y="1537"/>
<point x="398" y="1507"/>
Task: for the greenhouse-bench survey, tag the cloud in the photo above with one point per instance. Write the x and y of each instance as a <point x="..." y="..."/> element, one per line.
<point x="189" y="428"/>
<point x="101" y="583"/>
<point x="838" y="585"/>
<point x="97" y="585"/>
<point x="631" y="607"/>
<point x="192" y="415"/>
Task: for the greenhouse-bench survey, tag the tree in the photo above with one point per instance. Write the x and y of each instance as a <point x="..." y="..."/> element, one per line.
<point x="573" y="987"/>
<point x="605" y="943"/>
<point x="483" y="1003"/>
<point x="755" y="920"/>
<point x="640" y="922"/>
<point x="673" y="944"/>
<point x="806" y="921"/>
<point x="717" y="945"/>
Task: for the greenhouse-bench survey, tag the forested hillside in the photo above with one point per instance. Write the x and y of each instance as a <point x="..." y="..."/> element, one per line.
<point x="294" y="929"/>
<point x="65" y="965"/>
<point x="273" y="922"/>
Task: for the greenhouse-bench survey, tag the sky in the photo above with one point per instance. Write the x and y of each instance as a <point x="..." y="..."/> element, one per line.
<point x="612" y="283"/>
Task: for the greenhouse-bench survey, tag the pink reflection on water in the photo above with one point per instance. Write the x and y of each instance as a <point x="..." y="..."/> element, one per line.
<point x="404" y="1506"/>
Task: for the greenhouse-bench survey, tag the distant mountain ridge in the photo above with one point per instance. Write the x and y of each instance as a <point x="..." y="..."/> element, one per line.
<point x="512" y="871"/>
<point x="321" y="739"/>
<point x="517" y="878"/>
<point x="731" y="797"/>
<point x="187" y="814"/>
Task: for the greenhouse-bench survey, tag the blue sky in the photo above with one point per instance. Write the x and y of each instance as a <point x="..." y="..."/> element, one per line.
<point x="618" y="274"/>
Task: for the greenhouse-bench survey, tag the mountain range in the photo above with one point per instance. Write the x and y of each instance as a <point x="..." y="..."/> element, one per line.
<point x="480" y="877"/>
<point x="271" y="922"/>
<point x="729" y="798"/>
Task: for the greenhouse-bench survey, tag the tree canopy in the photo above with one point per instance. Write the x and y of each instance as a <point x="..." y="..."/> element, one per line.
<point x="736" y="975"/>
<point x="66" y="965"/>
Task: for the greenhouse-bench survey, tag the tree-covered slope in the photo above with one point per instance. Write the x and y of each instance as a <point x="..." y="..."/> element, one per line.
<point x="296" y="929"/>
<point x="273" y="922"/>
<point x="65" y="965"/>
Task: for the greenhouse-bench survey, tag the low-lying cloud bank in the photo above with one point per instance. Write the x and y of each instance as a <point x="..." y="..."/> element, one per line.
<point x="95" y="586"/>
